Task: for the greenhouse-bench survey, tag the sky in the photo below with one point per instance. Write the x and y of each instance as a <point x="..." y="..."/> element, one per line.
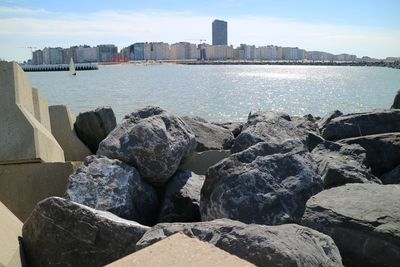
<point x="364" y="28"/>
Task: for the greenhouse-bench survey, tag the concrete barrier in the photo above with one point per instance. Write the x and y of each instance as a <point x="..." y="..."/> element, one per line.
<point x="11" y="254"/>
<point x="24" y="185"/>
<point x="22" y="137"/>
<point x="180" y="250"/>
<point x="41" y="108"/>
<point x="62" y="127"/>
<point x="199" y="162"/>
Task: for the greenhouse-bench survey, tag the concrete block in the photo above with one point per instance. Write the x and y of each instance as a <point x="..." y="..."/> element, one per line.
<point x="11" y="253"/>
<point x="41" y="108"/>
<point x="24" y="185"/>
<point x="62" y="123"/>
<point x="22" y="137"/>
<point x="199" y="162"/>
<point x="180" y="250"/>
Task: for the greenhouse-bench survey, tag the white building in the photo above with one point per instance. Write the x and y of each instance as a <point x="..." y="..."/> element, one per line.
<point x="184" y="50"/>
<point x="159" y="51"/>
<point x="220" y="52"/>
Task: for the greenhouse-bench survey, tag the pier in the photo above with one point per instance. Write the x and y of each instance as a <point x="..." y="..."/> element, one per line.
<point x="59" y="67"/>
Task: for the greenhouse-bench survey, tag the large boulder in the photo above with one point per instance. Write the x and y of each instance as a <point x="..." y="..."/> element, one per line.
<point x="383" y="150"/>
<point x="151" y="139"/>
<point x="234" y="127"/>
<point x="328" y="117"/>
<point x="362" y="219"/>
<point x="264" y="184"/>
<point x="111" y="185"/>
<point x="360" y="124"/>
<point x="63" y="233"/>
<point x="93" y="126"/>
<point x="209" y="136"/>
<point x="391" y="177"/>
<point x="182" y="198"/>
<point x="285" y="245"/>
<point x="396" y="101"/>
<point x="340" y="164"/>
<point x="307" y="122"/>
<point x="273" y="128"/>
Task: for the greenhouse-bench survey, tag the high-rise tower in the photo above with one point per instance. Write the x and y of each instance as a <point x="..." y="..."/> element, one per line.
<point x="219" y="32"/>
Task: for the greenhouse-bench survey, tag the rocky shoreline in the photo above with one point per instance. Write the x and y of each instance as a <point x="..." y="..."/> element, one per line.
<point x="292" y="191"/>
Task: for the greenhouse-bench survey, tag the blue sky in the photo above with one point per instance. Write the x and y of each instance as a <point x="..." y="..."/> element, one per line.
<point x="359" y="27"/>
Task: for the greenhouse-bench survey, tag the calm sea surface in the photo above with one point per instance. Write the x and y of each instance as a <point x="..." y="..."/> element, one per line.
<point x="222" y="93"/>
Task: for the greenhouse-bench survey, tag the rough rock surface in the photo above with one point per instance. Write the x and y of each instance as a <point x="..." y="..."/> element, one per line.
<point x="151" y="139"/>
<point x="258" y="186"/>
<point x="396" y="102"/>
<point x="234" y="127"/>
<point x="362" y="219"/>
<point x="383" y="150"/>
<point x="391" y="177"/>
<point x="209" y="136"/>
<point x="272" y="127"/>
<point x="62" y="233"/>
<point x="111" y="185"/>
<point x="308" y="122"/>
<point x="340" y="164"/>
<point x="360" y="124"/>
<point x="328" y="117"/>
<point x="93" y="126"/>
<point x="182" y="198"/>
<point x="285" y="245"/>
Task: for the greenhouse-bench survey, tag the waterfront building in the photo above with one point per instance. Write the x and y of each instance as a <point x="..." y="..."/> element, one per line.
<point x="220" y="52"/>
<point x="290" y="53"/>
<point x="52" y="55"/>
<point x="87" y="54"/>
<point x="128" y="53"/>
<point x="159" y="51"/>
<point x="184" y="50"/>
<point x="141" y="51"/>
<point x="37" y="57"/>
<point x="219" y="32"/>
<point x="249" y="51"/>
<point x="107" y="52"/>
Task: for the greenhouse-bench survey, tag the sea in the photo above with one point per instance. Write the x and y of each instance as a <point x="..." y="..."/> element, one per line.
<point x="222" y="93"/>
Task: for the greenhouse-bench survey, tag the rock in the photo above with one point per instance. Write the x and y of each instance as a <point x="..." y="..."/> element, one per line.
<point x="396" y="102"/>
<point x="111" y="185"/>
<point x="328" y="117"/>
<point x="259" y="186"/>
<point x="234" y="127"/>
<point x="362" y="219"/>
<point x="284" y="245"/>
<point x="391" y="177"/>
<point x="341" y="164"/>
<point x="93" y="126"/>
<point x="360" y="124"/>
<point x="182" y="198"/>
<point x="151" y="139"/>
<point x="273" y="128"/>
<point x="199" y="162"/>
<point x="256" y="116"/>
<point x="209" y="136"/>
<point x="62" y="233"/>
<point x="307" y="122"/>
<point x="383" y="150"/>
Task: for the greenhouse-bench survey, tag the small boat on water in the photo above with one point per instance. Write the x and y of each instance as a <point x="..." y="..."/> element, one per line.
<point x="72" y="67"/>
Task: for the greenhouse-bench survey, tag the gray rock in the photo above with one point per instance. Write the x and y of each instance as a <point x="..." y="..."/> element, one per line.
<point x="93" y="126"/>
<point x="151" y="139"/>
<point x="396" y="102"/>
<point x="340" y="164"/>
<point x="62" y="233"/>
<point x="234" y="127"/>
<point x="256" y="116"/>
<point x="273" y="128"/>
<point x="391" y="177"/>
<point x="362" y="219"/>
<point x="383" y="150"/>
<point x="328" y="117"/>
<point x="285" y="245"/>
<point x="111" y="185"/>
<point x="259" y="186"/>
<point x="307" y="122"/>
<point x="209" y="136"/>
<point x="182" y="198"/>
<point x="354" y="125"/>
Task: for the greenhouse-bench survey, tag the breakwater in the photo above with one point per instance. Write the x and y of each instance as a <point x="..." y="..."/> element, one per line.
<point x="59" y="67"/>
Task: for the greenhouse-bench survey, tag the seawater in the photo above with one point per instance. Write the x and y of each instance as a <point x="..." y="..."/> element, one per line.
<point x="222" y="93"/>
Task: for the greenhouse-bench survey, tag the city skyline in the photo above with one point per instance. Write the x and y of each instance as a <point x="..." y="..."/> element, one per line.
<point x="363" y="28"/>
